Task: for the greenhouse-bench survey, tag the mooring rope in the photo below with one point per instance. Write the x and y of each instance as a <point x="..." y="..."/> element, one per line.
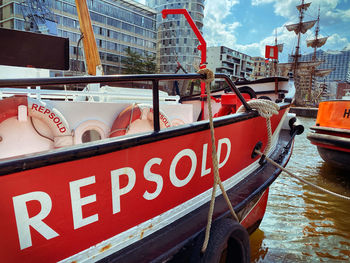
<point x="217" y="181"/>
<point x="301" y="179"/>
<point x="266" y="108"/>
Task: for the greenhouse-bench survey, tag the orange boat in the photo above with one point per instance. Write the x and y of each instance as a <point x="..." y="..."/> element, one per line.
<point x="332" y="132"/>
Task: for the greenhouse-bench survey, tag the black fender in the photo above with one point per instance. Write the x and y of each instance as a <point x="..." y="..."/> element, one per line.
<point x="264" y="98"/>
<point x="248" y="90"/>
<point x="228" y="242"/>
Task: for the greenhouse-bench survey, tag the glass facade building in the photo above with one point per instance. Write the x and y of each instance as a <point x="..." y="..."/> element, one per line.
<point x="117" y="25"/>
<point x="339" y="61"/>
<point x="176" y="40"/>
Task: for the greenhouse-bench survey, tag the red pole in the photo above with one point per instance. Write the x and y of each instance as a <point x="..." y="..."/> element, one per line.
<point x="201" y="47"/>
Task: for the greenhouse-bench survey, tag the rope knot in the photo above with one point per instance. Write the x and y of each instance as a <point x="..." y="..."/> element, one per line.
<point x="208" y="73"/>
<point x="266" y="108"/>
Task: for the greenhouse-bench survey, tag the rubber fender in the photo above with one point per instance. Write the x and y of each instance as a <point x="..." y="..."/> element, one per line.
<point x="264" y="98"/>
<point x="228" y="242"/>
<point x="248" y="90"/>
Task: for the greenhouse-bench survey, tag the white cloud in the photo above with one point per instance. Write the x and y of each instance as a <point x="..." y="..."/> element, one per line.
<point x="141" y="1"/>
<point x="258" y="48"/>
<point x="328" y="9"/>
<point x="215" y="30"/>
<point x="335" y="41"/>
<point x="218" y="10"/>
<point x="337" y="15"/>
<point x="259" y="2"/>
<point x="287" y="8"/>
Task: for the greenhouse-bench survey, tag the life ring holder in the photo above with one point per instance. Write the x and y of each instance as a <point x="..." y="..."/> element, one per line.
<point x="23" y="106"/>
<point x="122" y="125"/>
<point x="90" y="125"/>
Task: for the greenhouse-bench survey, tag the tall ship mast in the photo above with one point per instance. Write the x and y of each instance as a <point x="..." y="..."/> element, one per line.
<point x="305" y="72"/>
<point x="317" y="43"/>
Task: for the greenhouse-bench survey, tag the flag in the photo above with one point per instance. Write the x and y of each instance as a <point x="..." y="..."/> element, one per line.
<point x="271" y="52"/>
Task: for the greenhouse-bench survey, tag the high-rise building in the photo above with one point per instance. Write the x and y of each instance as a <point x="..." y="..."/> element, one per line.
<point x="226" y="60"/>
<point x="117" y="25"/>
<point x="176" y="40"/>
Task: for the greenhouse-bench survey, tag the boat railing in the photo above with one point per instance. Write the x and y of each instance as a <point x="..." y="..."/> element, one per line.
<point x="103" y="95"/>
<point x="23" y="86"/>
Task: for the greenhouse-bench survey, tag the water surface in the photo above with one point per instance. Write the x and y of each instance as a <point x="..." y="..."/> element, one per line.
<point x="302" y="224"/>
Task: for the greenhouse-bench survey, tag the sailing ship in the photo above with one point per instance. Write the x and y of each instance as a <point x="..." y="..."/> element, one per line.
<point x="112" y="173"/>
<point x="308" y="91"/>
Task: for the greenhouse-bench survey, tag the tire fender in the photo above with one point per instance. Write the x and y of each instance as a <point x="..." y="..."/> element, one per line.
<point x="248" y="90"/>
<point x="226" y="237"/>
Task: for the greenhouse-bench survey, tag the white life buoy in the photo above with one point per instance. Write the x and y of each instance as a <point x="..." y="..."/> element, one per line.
<point x="22" y="106"/>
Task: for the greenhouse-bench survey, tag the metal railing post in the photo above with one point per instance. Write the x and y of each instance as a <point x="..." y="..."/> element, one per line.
<point x="155" y="92"/>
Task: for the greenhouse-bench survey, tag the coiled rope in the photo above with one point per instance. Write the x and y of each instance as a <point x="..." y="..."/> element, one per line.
<point x="217" y="181"/>
<point x="265" y="108"/>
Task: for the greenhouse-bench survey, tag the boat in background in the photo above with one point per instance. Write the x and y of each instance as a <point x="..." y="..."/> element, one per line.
<point x="270" y="88"/>
<point x="257" y="89"/>
<point x="332" y="132"/>
<point x="308" y="90"/>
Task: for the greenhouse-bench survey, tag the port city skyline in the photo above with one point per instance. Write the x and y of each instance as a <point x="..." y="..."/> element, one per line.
<point x="247" y="26"/>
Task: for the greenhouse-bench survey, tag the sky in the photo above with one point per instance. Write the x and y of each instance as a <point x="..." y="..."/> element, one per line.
<point x="248" y="25"/>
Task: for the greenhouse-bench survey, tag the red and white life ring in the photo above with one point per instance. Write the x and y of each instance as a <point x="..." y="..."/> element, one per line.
<point x="137" y="118"/>
<point x="23" y="106"/>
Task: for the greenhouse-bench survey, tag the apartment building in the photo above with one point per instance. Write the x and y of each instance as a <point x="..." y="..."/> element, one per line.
<point x="117" y="25"/>
<point x="222" y="59"/>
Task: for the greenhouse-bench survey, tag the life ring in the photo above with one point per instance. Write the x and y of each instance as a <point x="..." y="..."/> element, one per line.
<point x="137" y="118"/>
<point x="228" y="242"/>
<point x="23" y="106"/>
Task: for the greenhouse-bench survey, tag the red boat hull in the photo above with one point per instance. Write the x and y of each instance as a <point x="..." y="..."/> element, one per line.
<point x="102" y="197"/>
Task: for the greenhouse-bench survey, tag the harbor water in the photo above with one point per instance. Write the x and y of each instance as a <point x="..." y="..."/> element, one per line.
<point x="302" y="224"/>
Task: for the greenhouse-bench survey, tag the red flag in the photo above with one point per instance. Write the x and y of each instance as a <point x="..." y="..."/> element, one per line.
<point x="271" y="52"/>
